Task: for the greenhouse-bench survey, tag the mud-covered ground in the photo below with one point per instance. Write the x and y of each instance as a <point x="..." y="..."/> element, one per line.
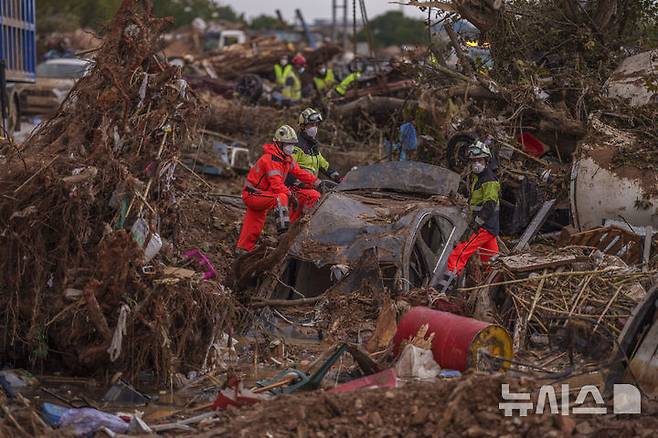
<point x="452" y="408"/>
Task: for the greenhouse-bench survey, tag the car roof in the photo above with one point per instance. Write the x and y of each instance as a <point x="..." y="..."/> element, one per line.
<point x="412" y="177"/>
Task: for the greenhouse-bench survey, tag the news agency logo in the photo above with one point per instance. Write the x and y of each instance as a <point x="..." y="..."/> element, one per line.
<point x="626" y="400"/>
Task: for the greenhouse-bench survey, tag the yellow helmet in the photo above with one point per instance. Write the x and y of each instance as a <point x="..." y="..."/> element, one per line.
<point x="285" y="134"/>
<point x="309" y="115"/>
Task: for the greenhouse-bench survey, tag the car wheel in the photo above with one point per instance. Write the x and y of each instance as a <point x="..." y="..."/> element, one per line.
<point x="425" y="251"/>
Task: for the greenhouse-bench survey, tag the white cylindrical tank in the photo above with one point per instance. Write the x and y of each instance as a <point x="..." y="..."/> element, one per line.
<point x="600" y="190"/>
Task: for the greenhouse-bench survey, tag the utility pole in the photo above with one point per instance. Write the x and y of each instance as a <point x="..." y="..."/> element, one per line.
<point x="334" y="29"/>
<point x="344" y="25"/>
<point x="335" y="7"/>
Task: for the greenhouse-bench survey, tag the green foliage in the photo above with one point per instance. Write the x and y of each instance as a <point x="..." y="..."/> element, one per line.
<point x="265" y="22"/>
<point x="394" y="28"/>
<point x="184" y="11"/>
<point x="67" y="15"/>
<point x="645" y="30"/>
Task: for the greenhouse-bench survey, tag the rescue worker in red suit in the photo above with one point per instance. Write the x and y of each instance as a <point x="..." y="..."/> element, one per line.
<point x="484" y="203"/>
<point x="265" y="189"/>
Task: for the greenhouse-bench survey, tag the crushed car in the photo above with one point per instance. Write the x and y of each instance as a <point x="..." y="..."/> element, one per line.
<point x="403" y="212"/>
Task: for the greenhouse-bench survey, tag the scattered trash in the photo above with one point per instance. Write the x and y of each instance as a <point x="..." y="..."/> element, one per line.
<point x="120" y="214"/>
<point x="18" y="379"/>
<point x="203" y="262"/>
<point x="82" y="421"/>
<point x="123" y="393"/>
<point x="383" y="379"/>
<point x="137" y="426"/>
<point x="416" y="363"/>
<point x="237" y="396"/>
<point x="450" y="374"/>
<point x="531" y="145"/>
<point x="292" y="380"/>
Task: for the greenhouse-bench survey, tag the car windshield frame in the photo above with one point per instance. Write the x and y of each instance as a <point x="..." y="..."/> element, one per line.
<point x="62" y="70"/>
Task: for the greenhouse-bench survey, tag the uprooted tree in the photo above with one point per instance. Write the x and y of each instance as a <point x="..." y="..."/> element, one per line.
<point x="73" y="290"/>
<point x="550" y="59"/>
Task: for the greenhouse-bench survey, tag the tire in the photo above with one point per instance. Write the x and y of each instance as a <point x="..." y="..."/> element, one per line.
<point x="250" y="87"/>
<point x="457" y="146"/>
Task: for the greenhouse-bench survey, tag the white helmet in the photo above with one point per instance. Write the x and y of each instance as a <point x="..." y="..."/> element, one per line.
<point x="478" y="150"/>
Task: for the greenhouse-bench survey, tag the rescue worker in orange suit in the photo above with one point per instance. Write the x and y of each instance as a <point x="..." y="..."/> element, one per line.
<point x="265" y="189"/>
<point x="484" y="203"/>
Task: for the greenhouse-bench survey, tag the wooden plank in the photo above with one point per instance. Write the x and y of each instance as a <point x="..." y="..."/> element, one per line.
<point x="529" y="262"/>
<point x="535" y="225"/>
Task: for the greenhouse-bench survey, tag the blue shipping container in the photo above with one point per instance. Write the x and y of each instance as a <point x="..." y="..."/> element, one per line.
<point x="18" y="39"/>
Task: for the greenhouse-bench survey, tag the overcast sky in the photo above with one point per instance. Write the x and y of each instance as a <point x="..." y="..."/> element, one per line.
<point x="312" y="9"/>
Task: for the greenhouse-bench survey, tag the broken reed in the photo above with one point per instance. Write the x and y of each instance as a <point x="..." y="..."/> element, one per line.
<point x="601" y="296"/>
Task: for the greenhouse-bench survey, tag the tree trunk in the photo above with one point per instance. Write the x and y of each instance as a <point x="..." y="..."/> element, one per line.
<point x="484" y="14"/>
<point x="372" y="104"/>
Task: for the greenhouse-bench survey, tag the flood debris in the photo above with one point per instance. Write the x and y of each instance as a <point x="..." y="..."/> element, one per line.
<point x="544" y="291"/>
<point x="74" y="226"/>
<point x="119" y="216"/>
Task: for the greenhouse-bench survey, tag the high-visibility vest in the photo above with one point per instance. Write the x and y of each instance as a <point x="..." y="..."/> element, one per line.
<point x="294" y="91"/>
<point x="345" y="84"/>
<point x="281" y="73"/>
<point x="326" y="82"/>
<point x="485" y="189"/>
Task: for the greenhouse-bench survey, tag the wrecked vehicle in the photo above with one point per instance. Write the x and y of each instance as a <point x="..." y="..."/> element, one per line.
<point x="55" y="78"/>
<point x="401" y="210"/>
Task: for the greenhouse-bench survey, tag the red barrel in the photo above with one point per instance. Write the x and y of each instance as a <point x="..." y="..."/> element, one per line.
<point x="457" y="339"/>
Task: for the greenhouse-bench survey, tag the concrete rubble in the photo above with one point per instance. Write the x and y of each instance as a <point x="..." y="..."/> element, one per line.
<point x="125" y="309"/>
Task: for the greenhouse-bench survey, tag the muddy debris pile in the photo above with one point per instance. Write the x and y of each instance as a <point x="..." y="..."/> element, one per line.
<point x="119" y="219"/>
<point x="91" y="222"/>
<point x="464" y="407"/>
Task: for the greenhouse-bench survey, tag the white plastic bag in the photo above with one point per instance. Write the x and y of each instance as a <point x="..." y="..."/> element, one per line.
<point x="416" y="363"/>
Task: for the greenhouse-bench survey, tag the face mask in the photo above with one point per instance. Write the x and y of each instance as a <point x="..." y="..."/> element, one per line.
<point x="283" y="62"/>
<point x="301" y="69"/>
<point x="478" y="167"/>
<point x="312" y="131"/>
<point x="323" y="71"/>
<point x="288" y="149"/>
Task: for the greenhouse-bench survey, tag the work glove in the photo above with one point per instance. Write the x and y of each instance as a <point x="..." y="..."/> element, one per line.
<point x="335" y="176"/>
<point x="319" y="186"/>
<point x="293" y="202"/>
<point x="328" y="185"/>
